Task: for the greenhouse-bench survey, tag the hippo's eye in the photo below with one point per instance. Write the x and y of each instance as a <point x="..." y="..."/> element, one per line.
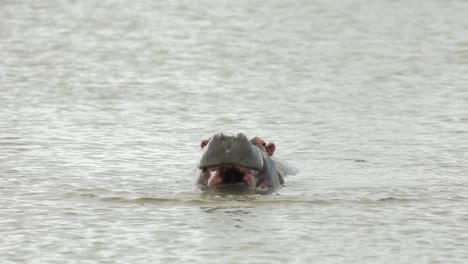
<point x="264" y="144"/>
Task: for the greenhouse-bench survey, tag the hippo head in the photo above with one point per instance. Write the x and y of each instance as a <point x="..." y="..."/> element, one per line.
<point x="234" y="161"/>
<point x="230" y="159"/>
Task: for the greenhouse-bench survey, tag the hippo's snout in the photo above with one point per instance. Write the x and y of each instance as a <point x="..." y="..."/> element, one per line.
<point x="223" y="150"/>
<point x="230" y="160"/>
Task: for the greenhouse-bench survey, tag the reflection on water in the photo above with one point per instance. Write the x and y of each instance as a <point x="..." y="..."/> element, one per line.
<point x="234" y="210"/>
<point x="236" y="213"/>
<point x="235" y="200"/>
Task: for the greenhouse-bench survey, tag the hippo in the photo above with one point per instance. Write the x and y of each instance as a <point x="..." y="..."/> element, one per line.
<point x="236" y="160"/>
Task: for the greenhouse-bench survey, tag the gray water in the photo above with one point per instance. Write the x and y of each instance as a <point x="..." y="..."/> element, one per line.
<point x="103" y="105"/>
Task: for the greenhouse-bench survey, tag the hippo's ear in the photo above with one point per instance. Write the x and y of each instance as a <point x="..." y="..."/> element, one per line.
<point x="270" y="149"/>
<point x="204" y="143"/>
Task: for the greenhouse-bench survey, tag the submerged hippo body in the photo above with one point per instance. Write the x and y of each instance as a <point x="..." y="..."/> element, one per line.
<point x="236" y="160"/>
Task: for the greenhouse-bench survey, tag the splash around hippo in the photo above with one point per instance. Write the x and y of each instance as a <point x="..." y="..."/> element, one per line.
<point x="237" y="161"/>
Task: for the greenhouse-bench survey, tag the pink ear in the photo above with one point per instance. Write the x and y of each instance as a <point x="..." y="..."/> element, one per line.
<point x="270" y="149"/>
<point x="204" y="143"/>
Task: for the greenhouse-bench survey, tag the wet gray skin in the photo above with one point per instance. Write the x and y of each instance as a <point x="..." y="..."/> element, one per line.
<point x="231" y="150"/>
<point x="268" y="178"/>
<point x="227" y="153"/>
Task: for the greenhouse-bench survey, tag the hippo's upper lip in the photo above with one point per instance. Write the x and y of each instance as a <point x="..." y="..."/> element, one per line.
<point x="230" y="166"/>
<point x="225" y="150"/>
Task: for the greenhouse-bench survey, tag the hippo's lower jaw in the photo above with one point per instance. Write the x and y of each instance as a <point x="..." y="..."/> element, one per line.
<point x="231" y="174"/>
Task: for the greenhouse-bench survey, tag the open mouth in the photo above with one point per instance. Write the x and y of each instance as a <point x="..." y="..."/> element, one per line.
<point x="231" y="174"/>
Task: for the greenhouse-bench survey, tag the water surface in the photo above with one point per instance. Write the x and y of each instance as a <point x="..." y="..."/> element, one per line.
<point x="103" y="106"/>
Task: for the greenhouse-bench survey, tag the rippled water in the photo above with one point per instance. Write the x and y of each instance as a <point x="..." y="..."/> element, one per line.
<point x="103" y="105"/>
